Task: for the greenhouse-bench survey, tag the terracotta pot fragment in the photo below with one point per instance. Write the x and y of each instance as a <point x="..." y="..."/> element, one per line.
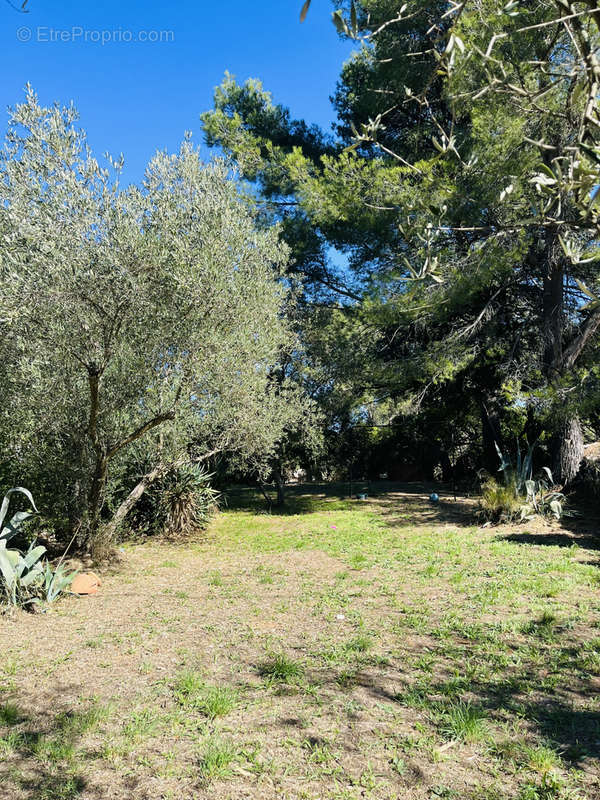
<point x="86" y="583"/>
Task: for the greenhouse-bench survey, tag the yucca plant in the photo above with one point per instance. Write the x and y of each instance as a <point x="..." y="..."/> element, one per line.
<point x="188" y="499"/>
<point x="181" y="501"/>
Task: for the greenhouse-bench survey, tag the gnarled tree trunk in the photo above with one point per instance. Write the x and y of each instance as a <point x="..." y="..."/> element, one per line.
<point x="568" y="451"/>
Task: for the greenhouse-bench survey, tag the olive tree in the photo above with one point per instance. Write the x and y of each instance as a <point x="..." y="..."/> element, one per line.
<point x="147" y="312"/>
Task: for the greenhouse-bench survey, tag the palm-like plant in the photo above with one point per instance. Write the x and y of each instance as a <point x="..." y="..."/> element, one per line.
<point x="188" y="499"/>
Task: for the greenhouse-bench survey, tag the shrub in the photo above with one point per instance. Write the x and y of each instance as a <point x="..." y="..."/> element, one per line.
<point x="520" y="497"/>
<point x="499" y="503"/>
<point x="181" y="502"/>
<point x="588" y="480"/>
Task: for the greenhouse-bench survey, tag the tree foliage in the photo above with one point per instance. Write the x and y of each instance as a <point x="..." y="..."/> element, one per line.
<point x="462" y="192"/>
<point x="149" y="317"/>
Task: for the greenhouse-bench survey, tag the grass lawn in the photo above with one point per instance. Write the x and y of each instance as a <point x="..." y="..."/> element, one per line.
<point x="345" y="649"/>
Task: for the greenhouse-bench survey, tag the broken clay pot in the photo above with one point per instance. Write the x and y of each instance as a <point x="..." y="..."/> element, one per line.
<point x="86" y="583"/>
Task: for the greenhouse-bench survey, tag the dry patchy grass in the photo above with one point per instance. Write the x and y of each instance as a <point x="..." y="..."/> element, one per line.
<point x="381" y="649"/>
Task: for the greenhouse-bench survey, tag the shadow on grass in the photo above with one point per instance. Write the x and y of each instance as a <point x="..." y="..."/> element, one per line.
<point x="299" y="498"/>
<point x="403" y="508"/>
<point x="587" y="541"/>
<point x="41" y="761"/>
<point x="558" y="715"/>
<point x="401" y="503"/>
<point x="552" y="720"/>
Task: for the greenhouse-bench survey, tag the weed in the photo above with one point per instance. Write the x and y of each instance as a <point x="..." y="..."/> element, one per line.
<point x="319" y="750"/>
<point x="358" y="561"/>
<point x="215" y="578"/>
<point x="141" y="724"/>
<point x="10" y="743"/>
<point x="465" y="722"/>
<point x="212" y="701"/>
<point x="215" y="760"/>
<point x="278" y="667"/>
<point x="9" y="714"/>
<point x="541" y="759"/>
<point x="359" y="644"/>
<point x="550" y="788"/>
<point x="398" y="765"/>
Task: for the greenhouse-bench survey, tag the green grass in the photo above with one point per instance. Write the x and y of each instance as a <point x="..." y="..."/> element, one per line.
<point x="215" y="578"/>
<point x="278" y="667"/>
<point x="341" y="649"/>
<point x="141" y="724"/>
<point x="213" y="701"/>
<point x="215" y="760"/>
<point x="465" y="722"/>
<point x="359" y="644"/>
<point x="541" y="758"/>
<point x="9" y="714"/>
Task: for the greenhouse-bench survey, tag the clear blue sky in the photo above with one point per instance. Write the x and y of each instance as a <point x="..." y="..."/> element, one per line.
<point x="136" y="97"/>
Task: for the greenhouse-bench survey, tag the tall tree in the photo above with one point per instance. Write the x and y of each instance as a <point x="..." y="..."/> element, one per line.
<point x="462" y="191"/>
<point x="125" y="312"/>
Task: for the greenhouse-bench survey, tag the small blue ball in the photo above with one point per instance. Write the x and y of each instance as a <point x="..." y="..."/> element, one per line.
<point x="435" y="498"/>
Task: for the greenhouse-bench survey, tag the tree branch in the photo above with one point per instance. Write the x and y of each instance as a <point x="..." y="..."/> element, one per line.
<point x="574" y="349"/>
<point x="151" y="423"/>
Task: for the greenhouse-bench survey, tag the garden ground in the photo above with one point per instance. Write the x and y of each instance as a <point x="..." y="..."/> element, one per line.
<point x="345" y="649"/>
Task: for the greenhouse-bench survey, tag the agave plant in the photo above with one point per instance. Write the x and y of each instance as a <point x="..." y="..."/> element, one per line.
<point x="516" y="475"/>
<point x="24" y="578"/>
<point x="543" y="497"/>
<point x="22" y="575"/>
<point x="55" y="582"/>
<point x="15" y="524"/>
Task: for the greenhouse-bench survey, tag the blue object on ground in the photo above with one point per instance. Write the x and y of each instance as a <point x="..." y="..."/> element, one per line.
<point x="435" y="498"/>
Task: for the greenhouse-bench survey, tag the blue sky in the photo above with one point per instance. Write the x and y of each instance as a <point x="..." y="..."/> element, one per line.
<point x="136" y="97"/>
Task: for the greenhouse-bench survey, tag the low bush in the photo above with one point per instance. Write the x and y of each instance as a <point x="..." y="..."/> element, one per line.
<point x="499" y="503"/>
<point x="520" y="496"/>
<point x="179" y="503"/>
